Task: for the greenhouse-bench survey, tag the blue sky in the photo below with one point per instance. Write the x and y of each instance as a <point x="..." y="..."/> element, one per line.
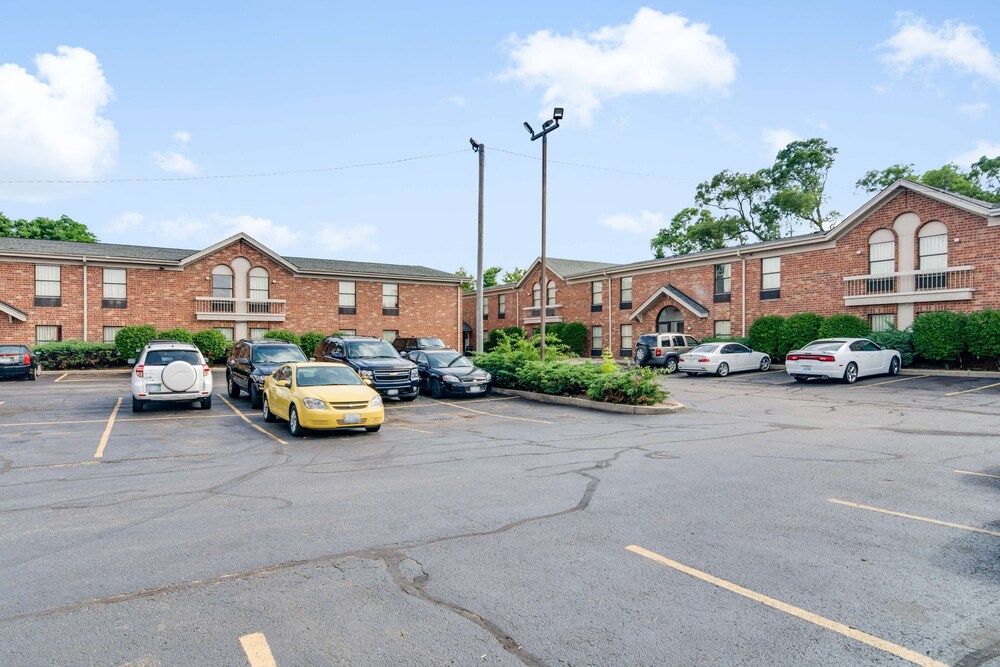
<point x="658" y="97"/>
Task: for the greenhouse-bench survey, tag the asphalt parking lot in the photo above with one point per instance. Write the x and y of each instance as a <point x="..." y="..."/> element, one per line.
<point x="770" y="522"/>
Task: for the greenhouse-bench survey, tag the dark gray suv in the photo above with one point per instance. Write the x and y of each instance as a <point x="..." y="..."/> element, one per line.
<point x="252" y="361"/>
<point x="377" y="362"/>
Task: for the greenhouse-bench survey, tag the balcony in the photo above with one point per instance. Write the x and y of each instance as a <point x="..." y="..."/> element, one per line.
<point x="952" y="283"/>
<point x="239" y="310"/>
<point x="533" y="315"/>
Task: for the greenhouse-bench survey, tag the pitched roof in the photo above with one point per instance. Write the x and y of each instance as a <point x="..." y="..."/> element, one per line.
<point x="13" y="312"/>
<point x="569" y="267"/>
<point x="91" y="250"/>
<point x="343" y="266"/>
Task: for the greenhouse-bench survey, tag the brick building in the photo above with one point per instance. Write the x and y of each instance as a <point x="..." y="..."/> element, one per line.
<point x="61" y="290"/>
<point x="908" y="250"/>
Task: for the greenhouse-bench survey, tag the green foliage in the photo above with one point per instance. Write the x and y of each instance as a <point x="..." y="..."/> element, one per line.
<point x="490" y="276"/>
<point x="799" y="179"/>
<point x="901" y="341"/>
<point x="469" y="284"/>
<point x="844" y="326"/>
<point x="78" y="354"/>
<point x="940" y="336"/>
<point x="631" y="386"/>
<point x="765" y="334"/>
<point x="512" y="276"/>
<point x="984" y="335"/>
<point x="986" y="173"/>
<point x="798" y="330"/>
<point x="877" y="180"/>
<point x="63" y="229"/>
<point x="982" y="181"/>
<point x="182" y="335"/>
<point x="506" y="333"/>
<point x="309" y="341"/>
<point x="212" y="344"/>
<point x="571" y="334"/>
<point x="694" y="230"/>
<point x="281" y="334"/>
<point x="131" y="340"/>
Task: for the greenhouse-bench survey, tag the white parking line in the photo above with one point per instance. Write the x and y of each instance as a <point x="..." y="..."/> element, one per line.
<point x="490" y="414"/>
<point x="978" y="474"/>
<point x="875" y="384"/>
<point x="956" y="393"/>
<point x="257" y="650"/>
<point x="247" y="420"/>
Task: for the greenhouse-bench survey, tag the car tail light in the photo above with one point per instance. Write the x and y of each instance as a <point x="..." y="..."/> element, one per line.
<point x="138" y="370"/>
<point x="704" y="360"/>
<point x="205" y="370"/>
<point x="811" y="357"/>
<point x="659" y="352"/>
<point x="27" y="360"/>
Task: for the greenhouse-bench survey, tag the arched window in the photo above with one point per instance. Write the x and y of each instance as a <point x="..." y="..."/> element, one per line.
<point x="882" y="261"/>
<point x="536" y="296"/>
<point x="550" y="294"/>
<point x="932" y="254"/>
<point x="260" y="290"/>
<point x="669" y="320"/>
<point x="222" y="289"/>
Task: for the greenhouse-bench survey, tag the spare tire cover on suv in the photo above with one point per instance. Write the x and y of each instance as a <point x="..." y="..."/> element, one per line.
<point x="179" y="376"/>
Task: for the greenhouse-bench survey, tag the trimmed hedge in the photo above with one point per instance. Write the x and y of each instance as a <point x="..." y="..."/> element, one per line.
<point x="798" y="330"/>
<point x="983" y="335"/>
<point x="130" y="340"/>
<point x="940" y="336"/>
<point x="309" y="341"/>
<point x="571" y="334"/>
<point x="765" y="335"/>
<point x="280" y="334"/>
<point x="78" y="354"/>
<point x="182" y="335"/>
<point x="901" y="341"/>
<point x="212" y="344"/>
<point x="844" y="326"/>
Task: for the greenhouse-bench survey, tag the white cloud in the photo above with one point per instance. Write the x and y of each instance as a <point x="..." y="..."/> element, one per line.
<point x="457" y="100"/>
<point x="337" y="238"/>
<point x="990" y="149"/>
<point x="777" y="139"/>
<point x="917" y="44"/>
<point x="175" y="163"/>
<point x="723" y="131"/>
<point x="973" y="111"/>
<point x="655" y="53"/>
<point x="126" y="222"/>
<point x="183" y="137"/>
<point x="645" y="223"/>
<point x="50" y="123"/>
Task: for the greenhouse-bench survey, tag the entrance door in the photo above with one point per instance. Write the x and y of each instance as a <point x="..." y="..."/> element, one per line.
<point x="670" y="320"/>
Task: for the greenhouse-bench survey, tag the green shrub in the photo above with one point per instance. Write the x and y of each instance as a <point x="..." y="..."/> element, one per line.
<point x="572" y="334"/>
<point x="631" y="386"/>
<point x="765" y="334"/>
<point x="78" y="354"/>
<point x="940" y="336"/>
<point x="212" y="344"/>
<point x="131" y="340"/>
<point x="182" y="335"/>
<point x="901" y="341"/>
<point x="505" y="333"/>
<point x="309" y="341"/>
<point x="984" y="335"/>
<point x="798" y="330"/>
<point x="844" y="326"/>
<point x="281" y="334"/>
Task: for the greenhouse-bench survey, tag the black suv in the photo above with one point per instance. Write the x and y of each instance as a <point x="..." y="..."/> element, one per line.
<point x="405" y="345"/>
<point x="375" y="361"/>
<point x="252" y="361"/>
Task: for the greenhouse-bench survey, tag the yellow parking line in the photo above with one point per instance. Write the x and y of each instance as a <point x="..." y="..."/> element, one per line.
<point x="956" y="393"/>
<point x="915" y="517"/>
<point x="415" y="430"/>
<point x="60" y="377"/>
<point x="247" y="420"/>
<point x="107" y="430"/>
<point x="489" y="414"/>
<point x="56" y="465"/>
<point x="257" y="650"/>
<point x="875" y="384"/>
<point x="978" y="474"/>
<point x="840" y="628"/>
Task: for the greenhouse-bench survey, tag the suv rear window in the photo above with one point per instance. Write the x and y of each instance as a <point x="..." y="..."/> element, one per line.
<point x="648" y="339"/>
<point x="164" y="357"/>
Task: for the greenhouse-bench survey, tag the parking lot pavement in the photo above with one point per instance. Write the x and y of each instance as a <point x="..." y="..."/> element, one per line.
<point x="768" y="523"/>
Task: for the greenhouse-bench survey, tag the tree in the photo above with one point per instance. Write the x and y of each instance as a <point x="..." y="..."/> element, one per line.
<point x="693" y="230"/>
<point x="512" y="276"/>
<point x="6" y="225"/>
<point x="799" y="179"/>
<point x="953" y="179"/>
<point x="877" y="180"/>
<point x="490" y="276"/>
<point x="469" y="284"/>
<point x="982" y="181"/>
<point x="986" y="173"/>
<point x="63" y="229"/>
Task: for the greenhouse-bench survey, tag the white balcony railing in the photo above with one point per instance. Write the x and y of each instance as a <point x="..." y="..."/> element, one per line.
<point x="952" y="283"/>
<point x="533" y="314"/>
<point x="239" y="310"/>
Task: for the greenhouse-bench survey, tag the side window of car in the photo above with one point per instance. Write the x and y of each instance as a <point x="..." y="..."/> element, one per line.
<point x="678" y="341"/>
<point x="871" y="347"/>
<point x="691" y="341"/>
<point x="857" y="346"/>
<point x="417" y="358"/>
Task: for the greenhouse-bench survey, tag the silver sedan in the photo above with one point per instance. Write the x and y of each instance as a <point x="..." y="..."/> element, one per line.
<point x="722" y="359"/>
<point x="844" y="359"/>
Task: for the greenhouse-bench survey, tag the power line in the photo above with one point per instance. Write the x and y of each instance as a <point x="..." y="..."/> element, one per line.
<point x="590" y="166"/>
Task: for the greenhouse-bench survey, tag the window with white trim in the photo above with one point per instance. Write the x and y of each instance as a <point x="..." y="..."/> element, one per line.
<point x="47" y="333"/>
<point x="596" y="341"/>
<point x="625" y="346"/>
<point x="625" y="293"/>
<point x="723" y="278"/>
<point x="596" y="296"/>
<point x="114" y="289"/>
<point x="932" y="254"/>
<point x="550" y="294"/>
<point x="390" y="298"/>
<point x="486" y="308"/>
<point x="723" y="328"/>
<point x="881" y="261"/>
<point x="48" y="285"/>
<point x="110" y="333"/>
<point x="770" y="278"/>
<point x="225" y="331"/>
<point x="882" y="321"/>
<point x="347" y="297"/>
<point x="259" y="332"/>
<point x="389" y="335"/>
<point x="501" y="306"/>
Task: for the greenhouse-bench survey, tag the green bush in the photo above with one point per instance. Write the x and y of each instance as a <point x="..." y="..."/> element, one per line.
<point x="844" y="326"/>
<point x="632" y="386"/>
<point x="571" y="334"/>
<point x="309" y="341"/>
<point x="212" y="344"/>
<point x="281" y="334"/>
<point x="182" y="335"/>
<point x="984" y="335"/>
<point x="901" y="341"/>
<point x="940" y="336"/>
<point x="506" y="333"/>
<point x="798" y="330"/>
<point x="765" y="334"/>
<point x="131" y="340"/>
<point x="78" y="354"/>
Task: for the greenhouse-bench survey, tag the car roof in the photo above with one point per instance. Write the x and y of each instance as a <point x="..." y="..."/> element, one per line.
<point x="314" y="364"/>
<point x="171" y="345"/>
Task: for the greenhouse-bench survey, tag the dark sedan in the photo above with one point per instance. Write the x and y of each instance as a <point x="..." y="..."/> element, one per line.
<point x="17" y="361"/>
<point x="449" y="372"/>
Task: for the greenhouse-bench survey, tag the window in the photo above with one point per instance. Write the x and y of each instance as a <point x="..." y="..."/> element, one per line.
<point x="109" y="334"/>
<point x="501" y="306"/>
<point x="390" y="298"/>
<point x="48" y="286"/>
<point x="770" y="278"/>
<point x="536" y="296"/>
<point x="723" y="328"/>
<point x="550" y="298"/>
<point x="723" y="282"/>
<point x="346" y="299"/>
<point x="596" y="341"/>
<point x="486" y="308"/>
<point x="349" y="332"/>
<point x="48" y="333"/>
<point x="625" y="294"/>
<point x="225" y="331"/>
<point x="222" y="289"/>
<point x="933" y="254"/>
<point x="596" y="296"/>
<point x="389" y="335"/>
<point x="625" y="347"/>
<point x="881" y="261"/>
<point x="114" y="289"/>
<point x="882" y="321"/>
<point x="259" y="333"/>
<point x="669" y="319"/>
<point x="260" y="290"/>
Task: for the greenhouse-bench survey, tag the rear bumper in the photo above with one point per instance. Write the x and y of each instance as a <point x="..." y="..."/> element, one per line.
<point x="14" y="370"/>
<point x="182" y="396"/>
<point x="822" y="370"/>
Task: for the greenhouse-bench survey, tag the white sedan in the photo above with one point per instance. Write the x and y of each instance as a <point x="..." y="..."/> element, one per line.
<point x="844" y="359"/>
<point x="722" y="359"/>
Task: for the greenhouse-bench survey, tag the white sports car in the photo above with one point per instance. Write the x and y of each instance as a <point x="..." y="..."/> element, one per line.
<point x="722" y="359"/>
<point x="844" y="359"/>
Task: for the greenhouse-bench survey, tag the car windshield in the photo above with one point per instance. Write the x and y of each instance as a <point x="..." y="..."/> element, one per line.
<point x="164" y="357"/>
<point x="371" y="349"/>
<point x="323" y="376"/>
<point x="430" y="343"/>
<point x="705" y="349"/>
<point x="824" y="346"/>
<point x="13" y="349"/>
<point x="448" y="360"/>
<point x="277" y="354"/>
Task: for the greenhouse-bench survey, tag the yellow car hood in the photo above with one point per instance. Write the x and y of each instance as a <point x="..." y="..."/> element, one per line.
<point x="339" y="393"/>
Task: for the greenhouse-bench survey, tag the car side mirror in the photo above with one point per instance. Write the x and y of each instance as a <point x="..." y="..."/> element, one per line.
<point x="282" y="383"/>
<point x="881" y="347"/>
<point x="404" y="354"/>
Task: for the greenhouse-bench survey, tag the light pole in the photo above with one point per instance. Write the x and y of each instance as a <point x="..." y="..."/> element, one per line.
<point x="547" y="127"/>
<point x="481" y="149"/>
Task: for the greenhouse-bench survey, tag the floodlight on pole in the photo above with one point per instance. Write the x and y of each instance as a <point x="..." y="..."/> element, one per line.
<point x="481" y="149"/>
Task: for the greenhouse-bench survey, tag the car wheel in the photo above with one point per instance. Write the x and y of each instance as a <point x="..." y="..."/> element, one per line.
<point x="436" y="390"/>
<point x="137" y="405"/>
<point x="231" y="387"/>
<point x="294" y="427"/>
<point x="851" y="374"/>
<point x="723" y="370"/>
<point x="253" y="394"/>
<point x="268" y="415"/>
<point x="206" y="403"/>
<point x="641" y="354"/>
<point x="373" y="429"/>
<point x="894" y="366"/>
<point x="31" y="373"/>
<point x="670" y="365"/>
<point x="799" y="378"/>
<point x="765" y="363"/>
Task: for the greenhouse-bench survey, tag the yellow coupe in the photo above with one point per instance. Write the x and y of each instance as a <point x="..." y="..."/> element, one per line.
<point x="321" y="396"/>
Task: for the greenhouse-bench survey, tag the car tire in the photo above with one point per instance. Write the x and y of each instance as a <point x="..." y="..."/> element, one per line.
<point x="31" y="373"/>
<point x="231" y="387"/>
<point x="254" y="395"/>
<point x="137" y="405"/>
<point x="266" y="411"/>
<point x="670" y="365"/>
<point x="436" y="391"/>
<point x="206" y="403"/>
<point x="765" y="363"/>
<point x="294" y="427"/>
<point x="799" y="378"/>
<point x="691" y="373"/>
<point x="851" y="373"/>
<point x="894" y="366"/>
<point x="723" y="370"/>
<point x="641" y="354"/>
<point x="373" y="429"/>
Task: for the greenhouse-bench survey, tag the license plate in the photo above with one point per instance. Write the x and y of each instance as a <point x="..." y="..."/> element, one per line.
<point x="152" y="388"/>
<point x="6" y="360"/>
<point x="475" y="390"/>
<point x="352" y="419"/>
<point x="807" y="368"/>
<point x="392" y="392"/>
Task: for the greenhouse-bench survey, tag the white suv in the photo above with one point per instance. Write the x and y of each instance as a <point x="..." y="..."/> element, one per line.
<point x="168" y="370"/>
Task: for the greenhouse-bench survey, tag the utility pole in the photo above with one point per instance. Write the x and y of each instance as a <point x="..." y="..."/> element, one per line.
<point x="481" y="149"/>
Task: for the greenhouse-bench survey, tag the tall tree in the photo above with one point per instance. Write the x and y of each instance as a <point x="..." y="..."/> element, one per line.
<point x="512" y="276"/>
<point x="6" y="225"/>
<point x="982" y="181"/>
<point x="490" y="276"/>
<point x="877" y="180"/>
<point x="986" y="173"/>
<point x="469" y="284"/>
<point x="799" y="180"/>
<point x="63" y="229"/>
